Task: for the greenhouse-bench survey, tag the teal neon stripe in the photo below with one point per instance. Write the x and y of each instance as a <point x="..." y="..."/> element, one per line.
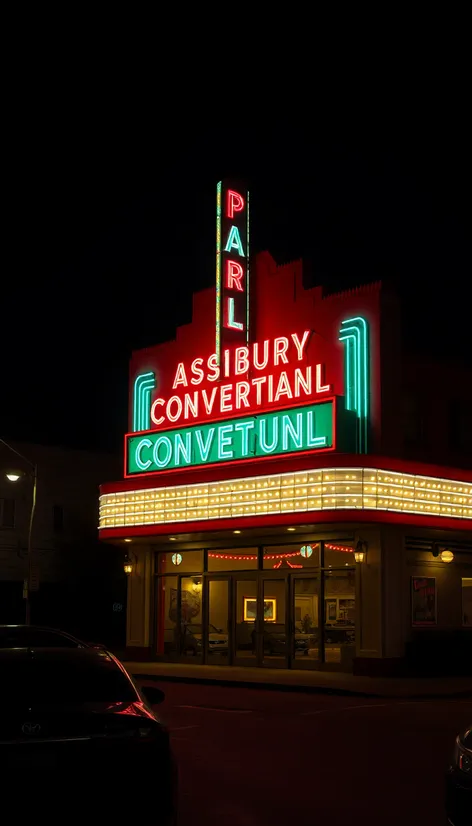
<point x="357" y="372"/>
<point x="143" y="386"/>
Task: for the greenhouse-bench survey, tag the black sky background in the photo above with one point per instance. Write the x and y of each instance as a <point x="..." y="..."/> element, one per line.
<point x="108" y="232"/>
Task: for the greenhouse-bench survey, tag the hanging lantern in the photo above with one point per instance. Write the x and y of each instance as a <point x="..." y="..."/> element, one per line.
<point x="361" y="551"/>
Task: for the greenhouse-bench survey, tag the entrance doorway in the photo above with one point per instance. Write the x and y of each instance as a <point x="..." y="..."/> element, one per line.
<point x="271" y="621"/>
<point x="273" y="613"/>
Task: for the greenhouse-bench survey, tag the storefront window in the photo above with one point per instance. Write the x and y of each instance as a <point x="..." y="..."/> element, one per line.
<point x="292" y="557"/>
<point x="467" y="601"/>
<point x="246" y="615"/>
<point x="180" y="562"/>
<point x="191" y="637"/>
<point x="167" y="636"/>
<point x="306" y="598"/>
<point x="338" y="554"/>
<point x="234" y="559"/>
<point x="339" y="615"/>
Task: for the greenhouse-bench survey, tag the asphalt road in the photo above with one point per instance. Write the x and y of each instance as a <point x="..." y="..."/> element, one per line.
<point x="269" y="758"/>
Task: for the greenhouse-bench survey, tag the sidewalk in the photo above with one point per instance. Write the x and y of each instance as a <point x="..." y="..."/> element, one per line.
<point x="323" y="682"/>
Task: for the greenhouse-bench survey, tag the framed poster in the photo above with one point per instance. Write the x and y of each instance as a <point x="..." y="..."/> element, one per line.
<point x="250" y="609"/>
<point x="423" y="600"/>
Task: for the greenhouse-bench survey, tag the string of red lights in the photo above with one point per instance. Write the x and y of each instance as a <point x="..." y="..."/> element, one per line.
<point x="329" y="546"/>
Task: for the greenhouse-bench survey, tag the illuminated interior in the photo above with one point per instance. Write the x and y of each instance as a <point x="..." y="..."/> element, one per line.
<point x="313" y="490"/>
<point x="271" y="624"/>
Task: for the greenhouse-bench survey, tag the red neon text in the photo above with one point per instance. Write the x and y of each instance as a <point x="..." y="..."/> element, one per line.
<point x="284" y="375"/>
<point x="234" y="274"/>
<point x="234" y="203"/>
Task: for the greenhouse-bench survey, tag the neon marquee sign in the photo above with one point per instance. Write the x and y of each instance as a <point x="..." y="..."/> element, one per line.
<point x="298" y="429"/>
<point x="232" y="266"/>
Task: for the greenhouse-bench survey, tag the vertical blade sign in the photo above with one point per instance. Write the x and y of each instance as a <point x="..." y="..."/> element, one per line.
<point x="232" y="266"/>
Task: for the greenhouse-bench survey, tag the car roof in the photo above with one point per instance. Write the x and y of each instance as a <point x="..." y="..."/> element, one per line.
<point x="77" y="656"/>
<point x="34" y="628"/>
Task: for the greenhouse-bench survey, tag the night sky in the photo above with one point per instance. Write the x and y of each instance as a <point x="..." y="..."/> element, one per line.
<point x="108" y="233"/>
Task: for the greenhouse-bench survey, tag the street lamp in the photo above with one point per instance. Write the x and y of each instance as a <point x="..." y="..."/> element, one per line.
<point x="15" y="476"/>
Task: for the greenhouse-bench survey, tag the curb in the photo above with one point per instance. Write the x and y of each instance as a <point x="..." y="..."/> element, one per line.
<point x="300" y="689"/>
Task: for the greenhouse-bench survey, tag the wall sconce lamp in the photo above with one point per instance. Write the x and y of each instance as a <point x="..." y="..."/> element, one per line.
<point x="444" y="555"/>
<point x="129" y="564"/>
<point x="361" y="551"/>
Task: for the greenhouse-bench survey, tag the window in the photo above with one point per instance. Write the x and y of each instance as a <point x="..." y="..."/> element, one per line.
<point x="292" y="557"/>
<point x="232" y="559"/>
<point x="339" y="615"/>
<point x="467" y="602"/>
<point x="58" y="518"/>
<point x="338" y="554"/>
<point x="7" y="513"/>
<point x="20" y="637"/>
<point x="180" y="562"/>
<point x="76" y="680"/>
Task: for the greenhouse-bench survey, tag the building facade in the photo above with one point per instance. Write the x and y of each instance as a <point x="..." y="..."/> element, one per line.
<point x="73" y="587"/>
<point x="276" y="508"/>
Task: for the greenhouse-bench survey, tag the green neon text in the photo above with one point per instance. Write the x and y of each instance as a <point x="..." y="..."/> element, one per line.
<point x="234" y="241"/>
<point x="271" y="434"/>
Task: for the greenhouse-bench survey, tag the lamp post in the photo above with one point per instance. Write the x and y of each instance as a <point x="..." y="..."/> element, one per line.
<point x="14" y="477"/>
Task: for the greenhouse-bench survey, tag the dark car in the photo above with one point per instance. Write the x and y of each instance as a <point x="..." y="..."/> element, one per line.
<point x="81" y="739"/>
<point x="36" y="636"/>
<point x="459" y="782"/>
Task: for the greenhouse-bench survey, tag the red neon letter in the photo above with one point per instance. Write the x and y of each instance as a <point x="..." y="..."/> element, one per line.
<point x="157" y="419"/>
<point x="234" y="203"/>
<point x="234" y="273"/>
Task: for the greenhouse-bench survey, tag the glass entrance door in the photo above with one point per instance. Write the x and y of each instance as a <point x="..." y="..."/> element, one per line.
<point x="305" y="607"/>
<point x="260" y="621"/>
<point x="218" y="625"/>
<point x="189" y="599"/>
<point x="274" y="628"/>
<point x="246" y="619"/>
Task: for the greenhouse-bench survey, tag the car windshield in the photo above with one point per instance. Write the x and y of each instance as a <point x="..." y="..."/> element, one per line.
<point x="65" y="682"/>
<point x="34" y="638"/>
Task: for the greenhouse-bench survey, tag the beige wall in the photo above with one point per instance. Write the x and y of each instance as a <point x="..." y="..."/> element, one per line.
<point x="448" y="586"/>
<point x="399" y="566"/>
<point x="369" y="597"/>
<point x="395" y="595"/>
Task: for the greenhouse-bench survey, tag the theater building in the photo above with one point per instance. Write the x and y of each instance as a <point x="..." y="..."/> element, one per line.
<point x="273" y="511"/>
